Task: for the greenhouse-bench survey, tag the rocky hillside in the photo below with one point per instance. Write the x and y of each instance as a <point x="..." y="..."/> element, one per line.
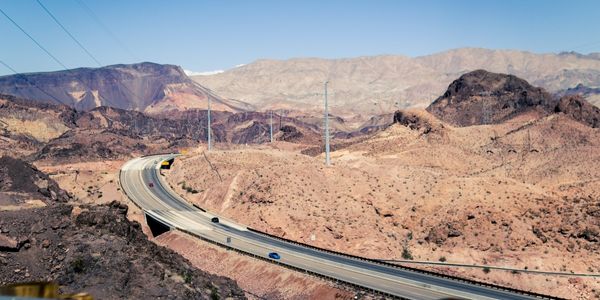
<point x="110" y="133"/>
<point x="579" y="109"/>
<point x="51" y="131"/>
<point x="26" y="125"/>
<point x="374" y="85"/>
<point x="482" y="97"/>
<point x="592" y="95"/>
<point x="92" y="249"/>
<point x="145" y="86"/>
<point x="524" y="195"/>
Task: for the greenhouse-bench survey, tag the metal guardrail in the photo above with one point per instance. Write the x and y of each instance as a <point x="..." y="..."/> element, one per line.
<point x="459" y="265"/>
<point x="431" y="273"/>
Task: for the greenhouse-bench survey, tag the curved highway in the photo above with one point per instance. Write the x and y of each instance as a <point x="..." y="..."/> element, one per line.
<point x="165" y="206"/>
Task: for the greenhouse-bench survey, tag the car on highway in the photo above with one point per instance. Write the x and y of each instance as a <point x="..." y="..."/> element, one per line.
<point x="274" y="255"/>
<point x="151" y="184"/>
<point x="214" y="220"/>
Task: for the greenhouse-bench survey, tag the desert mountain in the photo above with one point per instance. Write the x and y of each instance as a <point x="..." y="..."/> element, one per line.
<point x="378" y="84"/>
<point x="482" y="97"/>
<point x="145" y="87"/>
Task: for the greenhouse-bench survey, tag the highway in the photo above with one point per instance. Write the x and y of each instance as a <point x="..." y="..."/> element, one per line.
<point x="164" y="205"/>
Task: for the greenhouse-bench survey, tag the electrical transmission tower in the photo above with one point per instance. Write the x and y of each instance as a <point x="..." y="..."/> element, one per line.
<point x="327" y="158"/>
<point x="208" y="124"/>
<point x="271" y="123"/>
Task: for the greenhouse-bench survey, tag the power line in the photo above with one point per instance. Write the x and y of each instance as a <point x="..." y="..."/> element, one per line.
<point x="85" y="50"/>
<point x="54" y="57"/>
<point x="327" y="155"/>
<point x="91" y="13"/>
<point x="31" y="38"/>
<point x="30" y="83"/>
<point x="68" y="33"/>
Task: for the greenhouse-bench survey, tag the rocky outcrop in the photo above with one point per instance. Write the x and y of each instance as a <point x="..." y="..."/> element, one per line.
<point x="98" y="251"/>
<point x="482" y="97"/>
<point x="22" y="181"/>
<point x="412" y="121"/>
<point x="290" y="133"/>
<point x="579" y="109"/>
<point x="92" y="249"/>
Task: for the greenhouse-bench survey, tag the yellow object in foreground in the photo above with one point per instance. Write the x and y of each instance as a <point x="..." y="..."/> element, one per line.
<point x="47" y="290"/>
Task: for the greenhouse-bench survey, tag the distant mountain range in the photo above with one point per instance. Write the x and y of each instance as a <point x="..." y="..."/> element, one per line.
<point x="590" y="94"/>
<point x="380" y="84"/>
<point x="359" y="88"/>
<point x="146" y="87"/>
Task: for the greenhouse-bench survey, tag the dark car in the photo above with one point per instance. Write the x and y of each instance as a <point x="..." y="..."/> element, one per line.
<point x="214" y="220"/>
<point x="151" y="184"/>
<point x="274" y="255"/>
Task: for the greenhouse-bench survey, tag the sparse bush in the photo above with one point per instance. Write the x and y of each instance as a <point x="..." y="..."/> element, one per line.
<point x="78" y="265"/>
<point x="187" y="277"/>
<point x="214" y="295"/>
<point x="406" y="253"/>
<point x="442" y="259"/>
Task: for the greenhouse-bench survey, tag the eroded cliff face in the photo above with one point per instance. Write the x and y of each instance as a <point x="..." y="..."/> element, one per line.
<point x="144" y="86"/>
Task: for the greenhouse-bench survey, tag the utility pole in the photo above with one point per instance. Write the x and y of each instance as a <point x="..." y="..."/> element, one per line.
<point x="271" y="123"/>
<point x="208" y="129"/>
<point x="280" y="114"/>
<point x="327" y="158"/>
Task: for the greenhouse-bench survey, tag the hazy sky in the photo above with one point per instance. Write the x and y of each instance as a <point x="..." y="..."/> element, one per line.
<point x="212" y="35"/>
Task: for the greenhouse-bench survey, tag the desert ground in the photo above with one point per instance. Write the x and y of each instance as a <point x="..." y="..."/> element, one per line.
<point x="519" y="194"/>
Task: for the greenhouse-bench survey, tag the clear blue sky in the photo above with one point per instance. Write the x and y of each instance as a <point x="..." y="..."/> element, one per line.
<point x="211" y="35"/>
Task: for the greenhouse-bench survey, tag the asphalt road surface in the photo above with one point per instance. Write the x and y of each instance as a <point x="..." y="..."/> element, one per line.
<point x="164" y="205"/>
